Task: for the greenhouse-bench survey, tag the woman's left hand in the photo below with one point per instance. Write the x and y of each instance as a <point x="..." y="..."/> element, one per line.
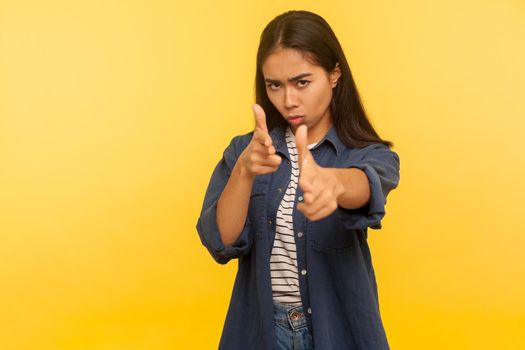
<point x="321" y="187"/>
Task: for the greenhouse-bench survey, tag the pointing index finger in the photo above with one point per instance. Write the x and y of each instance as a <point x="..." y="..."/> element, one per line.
<point x="260" y="118"/>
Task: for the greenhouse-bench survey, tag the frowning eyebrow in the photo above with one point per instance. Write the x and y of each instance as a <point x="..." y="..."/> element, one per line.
<point x="297" y="77"/>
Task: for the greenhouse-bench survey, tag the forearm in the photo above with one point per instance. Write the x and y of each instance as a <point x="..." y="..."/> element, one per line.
<point x="356" y="187"/>
<point x="232" y="207"/>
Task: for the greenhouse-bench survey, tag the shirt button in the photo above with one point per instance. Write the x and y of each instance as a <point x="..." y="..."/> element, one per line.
<point x="299" y="234"/>
<point x="300" y="198"/>
<point x="279" y="189"/>
<point x="269" y="222"/>
<point x="309" y="311"/>
<point x="303" y="272"/>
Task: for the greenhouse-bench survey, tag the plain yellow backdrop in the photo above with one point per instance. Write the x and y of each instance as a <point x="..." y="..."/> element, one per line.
<point x="113" y="115"/>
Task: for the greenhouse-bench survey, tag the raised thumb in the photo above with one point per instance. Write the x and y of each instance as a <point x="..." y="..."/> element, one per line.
<point x="301" y="137"/>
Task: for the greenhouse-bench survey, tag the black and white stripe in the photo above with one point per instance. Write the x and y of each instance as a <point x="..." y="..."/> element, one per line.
<point x="283" y="261"/>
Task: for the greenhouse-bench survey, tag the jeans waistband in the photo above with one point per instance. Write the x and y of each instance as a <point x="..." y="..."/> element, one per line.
<point x="291" y="315"/>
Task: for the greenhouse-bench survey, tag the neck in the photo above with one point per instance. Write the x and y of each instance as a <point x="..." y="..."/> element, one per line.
<point x="318" y="131"/>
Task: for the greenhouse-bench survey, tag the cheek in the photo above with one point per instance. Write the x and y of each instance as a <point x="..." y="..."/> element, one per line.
<point x="320" y="98"/>
<point x="274" y="99"/>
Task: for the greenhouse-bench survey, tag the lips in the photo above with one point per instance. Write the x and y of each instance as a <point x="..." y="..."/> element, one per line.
<point x="295" y="119"/>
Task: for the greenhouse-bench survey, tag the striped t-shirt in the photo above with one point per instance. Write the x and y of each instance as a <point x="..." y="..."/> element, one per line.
<point x="283" y="261"/>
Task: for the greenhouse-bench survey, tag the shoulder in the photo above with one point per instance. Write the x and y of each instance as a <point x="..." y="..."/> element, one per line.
<point x="242" y="140"/>
<point x="238" y="143"/>
<point x="372" y="152"/>
<point x="374" y="148"/>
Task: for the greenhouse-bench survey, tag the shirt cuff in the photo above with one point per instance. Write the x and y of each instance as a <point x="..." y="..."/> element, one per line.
<point x="211" y="239"/>
<point x="369" y="215"/>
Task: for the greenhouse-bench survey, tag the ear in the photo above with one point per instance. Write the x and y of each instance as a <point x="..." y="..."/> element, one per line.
<point x="334" y="75"/>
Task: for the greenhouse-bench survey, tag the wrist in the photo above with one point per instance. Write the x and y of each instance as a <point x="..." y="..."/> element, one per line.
<point x="242" y="171"/>
<point x="339" y="188"/>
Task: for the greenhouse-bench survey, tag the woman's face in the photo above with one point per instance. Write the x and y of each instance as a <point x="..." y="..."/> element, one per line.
<point x="300" y="90"/>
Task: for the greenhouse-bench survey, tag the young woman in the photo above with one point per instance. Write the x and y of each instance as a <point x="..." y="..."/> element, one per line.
<point x="293" y="199"/>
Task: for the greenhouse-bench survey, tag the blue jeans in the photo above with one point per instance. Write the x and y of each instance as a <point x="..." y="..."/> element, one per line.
<point x="291" y="328"/>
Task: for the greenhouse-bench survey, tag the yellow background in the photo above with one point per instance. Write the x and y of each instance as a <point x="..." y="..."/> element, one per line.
<point x="113" y="115"/>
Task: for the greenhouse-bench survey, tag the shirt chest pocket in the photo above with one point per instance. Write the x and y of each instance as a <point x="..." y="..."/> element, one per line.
<point x="329" y="236"/>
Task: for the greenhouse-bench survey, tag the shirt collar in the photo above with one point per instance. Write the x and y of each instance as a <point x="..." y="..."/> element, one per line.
<point x="279" y="142"/>
<point x="278" y="138"/>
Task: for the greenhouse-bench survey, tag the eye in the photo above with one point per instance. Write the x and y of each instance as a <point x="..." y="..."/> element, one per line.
<point x="271" y="86"/>
<point x="303" y="82"/>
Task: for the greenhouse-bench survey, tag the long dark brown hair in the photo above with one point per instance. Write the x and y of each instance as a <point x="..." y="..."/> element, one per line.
<point x="310" y="33"/>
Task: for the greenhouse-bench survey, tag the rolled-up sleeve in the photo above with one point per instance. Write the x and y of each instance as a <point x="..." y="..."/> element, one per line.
<point x="207" y="223"/>
<point x="381" y="166"/>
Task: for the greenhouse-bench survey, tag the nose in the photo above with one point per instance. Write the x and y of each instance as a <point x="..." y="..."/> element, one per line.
<point x="290" y="99"/>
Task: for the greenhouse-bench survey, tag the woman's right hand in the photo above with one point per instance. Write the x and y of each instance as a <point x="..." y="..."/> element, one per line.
<point x="259" y="156"/>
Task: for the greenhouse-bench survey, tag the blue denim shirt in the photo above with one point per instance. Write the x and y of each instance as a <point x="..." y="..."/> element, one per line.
<point x="338" y="286"/>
